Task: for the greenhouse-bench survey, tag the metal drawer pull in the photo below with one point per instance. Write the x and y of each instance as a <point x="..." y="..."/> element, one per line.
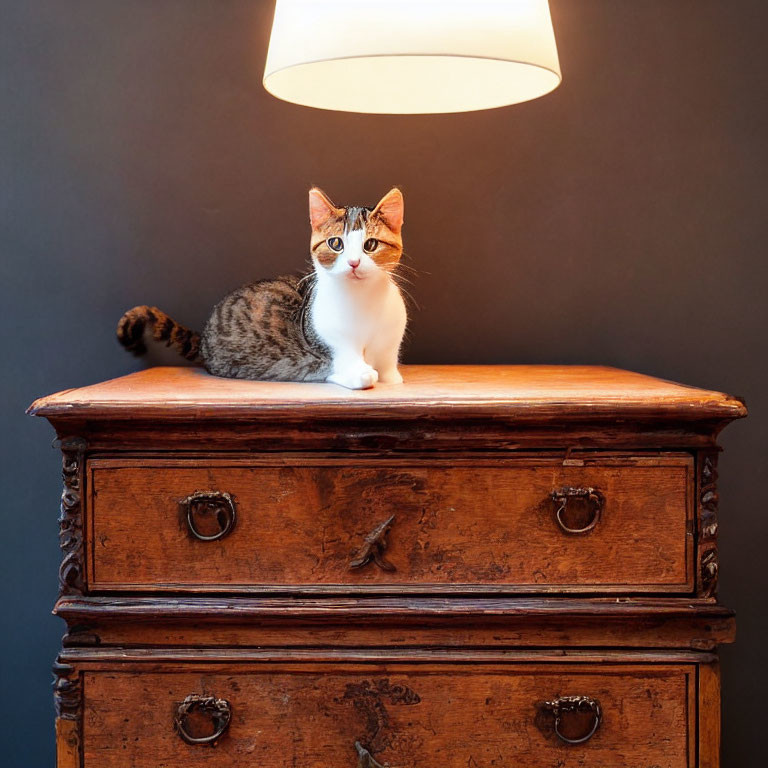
<point x="566" y="706"/>
<point x="373" y="548"/>
<point x="210" y="515"/>
<point x="199" y="712"/>
<point x="365" y="760"/>
<point x="590" y="496"/>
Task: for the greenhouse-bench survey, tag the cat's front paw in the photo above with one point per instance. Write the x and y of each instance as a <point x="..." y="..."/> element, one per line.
<point x="390" y="376"/>
<point x="359" y="378"/>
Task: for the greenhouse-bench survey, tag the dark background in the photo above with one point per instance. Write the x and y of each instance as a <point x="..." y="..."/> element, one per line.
<point x="620" y="220"/>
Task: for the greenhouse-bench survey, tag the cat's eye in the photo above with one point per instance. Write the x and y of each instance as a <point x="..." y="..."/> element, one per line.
<point x="370" y="245"/>
<point x="335" y="244"/>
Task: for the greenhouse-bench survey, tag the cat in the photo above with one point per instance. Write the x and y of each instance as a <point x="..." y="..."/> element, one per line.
<point x="342" y="323"/>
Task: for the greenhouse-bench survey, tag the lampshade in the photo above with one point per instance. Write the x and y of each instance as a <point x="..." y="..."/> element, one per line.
<point x="411" y="56"/>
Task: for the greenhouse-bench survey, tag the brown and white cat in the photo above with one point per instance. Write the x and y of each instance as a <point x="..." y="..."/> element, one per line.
<point x="343" y="322"/>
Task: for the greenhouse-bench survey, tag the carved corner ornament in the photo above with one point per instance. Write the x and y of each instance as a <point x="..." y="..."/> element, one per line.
<point x="708" y="524"/>
<point x="68" y="701"/>
<point x="374" y="546"/>
<point x="67" y="697"/>
<point x="71" y="570"/>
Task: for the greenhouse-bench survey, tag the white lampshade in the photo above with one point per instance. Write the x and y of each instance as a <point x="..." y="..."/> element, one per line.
<point x="411" y="56"/>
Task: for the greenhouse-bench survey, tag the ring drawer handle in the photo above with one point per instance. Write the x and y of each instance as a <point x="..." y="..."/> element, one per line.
<point x="365" y="759"/>
<point x="206" y="507"/>
<point x="216" y="711"/>
<point x="591" y="496"/>
<point x="566" y="705"/>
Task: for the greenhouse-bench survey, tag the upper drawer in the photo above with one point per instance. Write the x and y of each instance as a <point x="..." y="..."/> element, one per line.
<point x="617" y="524"/>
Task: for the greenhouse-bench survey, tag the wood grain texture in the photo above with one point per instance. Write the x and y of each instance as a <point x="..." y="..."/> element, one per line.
<point x="215" y="660"/>
<point x="68" y="744"/>
<point x="439" y="408"/>
<point x="467" y="608"/>
<point x="396" y="622"/>
<point x="650" y="632"/>
<point x="68" y="703"/>
<point x="523" y="391"/>
<point x="398" y="608"/>
<point x="380" y="437"/>
<point x="485" y="525"/>
<point x="709" y="715"/>
<point x="455" y="716"/>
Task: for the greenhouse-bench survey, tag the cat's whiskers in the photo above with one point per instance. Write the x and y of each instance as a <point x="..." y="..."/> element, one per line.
<point x="401" y="282"/>
<point x="310" y="278"/>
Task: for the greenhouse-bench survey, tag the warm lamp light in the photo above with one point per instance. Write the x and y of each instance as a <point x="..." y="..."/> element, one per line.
<point x="411" y="56"/>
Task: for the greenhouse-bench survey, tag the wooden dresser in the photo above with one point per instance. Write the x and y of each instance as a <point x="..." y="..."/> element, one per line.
<point x="484" y="567"/>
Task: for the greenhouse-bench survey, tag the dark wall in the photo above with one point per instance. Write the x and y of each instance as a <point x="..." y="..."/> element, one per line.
<point x="620" y="220"/>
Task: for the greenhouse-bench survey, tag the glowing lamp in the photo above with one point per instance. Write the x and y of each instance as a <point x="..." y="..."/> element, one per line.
<point x="411" y="56"/>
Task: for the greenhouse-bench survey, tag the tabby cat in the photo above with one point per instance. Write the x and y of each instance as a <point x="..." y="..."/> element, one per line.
<point x="343" y="322"/>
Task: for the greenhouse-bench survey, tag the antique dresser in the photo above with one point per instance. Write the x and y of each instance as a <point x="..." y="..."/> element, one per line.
<point x="483" y="567"/>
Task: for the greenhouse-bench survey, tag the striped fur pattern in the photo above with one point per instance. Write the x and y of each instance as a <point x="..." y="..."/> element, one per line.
<point x="343" y="322"/>
<point x="134" y="323"/>
<point x="260" y="331"/>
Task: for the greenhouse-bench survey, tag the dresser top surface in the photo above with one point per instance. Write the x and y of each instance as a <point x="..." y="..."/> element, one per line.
<point x="511" y="391"/>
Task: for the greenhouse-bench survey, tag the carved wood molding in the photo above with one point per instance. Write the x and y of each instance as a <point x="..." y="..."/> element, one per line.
<point x="68" y="701"/>
<point x="708" y="524"/>
<point x="72" y="568"/>
<point x="67" y="693"/>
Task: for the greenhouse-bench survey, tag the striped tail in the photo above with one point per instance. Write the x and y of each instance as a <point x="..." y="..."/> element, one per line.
<point x="130" y="332"/>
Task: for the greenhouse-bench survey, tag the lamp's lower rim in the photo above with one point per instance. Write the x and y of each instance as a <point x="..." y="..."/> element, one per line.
<point x="411" y="83"/>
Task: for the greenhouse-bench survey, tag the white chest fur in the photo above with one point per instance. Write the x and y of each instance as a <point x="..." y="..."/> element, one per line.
<point x="362" y="322"/>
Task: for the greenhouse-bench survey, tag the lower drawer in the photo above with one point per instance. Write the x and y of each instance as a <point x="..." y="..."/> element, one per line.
<point x="396" y="714"/>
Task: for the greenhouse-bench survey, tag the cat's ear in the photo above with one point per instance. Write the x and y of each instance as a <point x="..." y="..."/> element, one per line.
<point x="321" y="208"/>
<point x="391" y="209"/>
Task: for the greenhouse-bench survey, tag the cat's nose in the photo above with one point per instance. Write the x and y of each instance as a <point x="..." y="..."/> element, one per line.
<point x="354" y="263"/>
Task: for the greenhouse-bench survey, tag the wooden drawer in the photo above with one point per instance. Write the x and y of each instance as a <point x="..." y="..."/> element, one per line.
<point x="417" y="524"/>
<point x="402" y="715"/>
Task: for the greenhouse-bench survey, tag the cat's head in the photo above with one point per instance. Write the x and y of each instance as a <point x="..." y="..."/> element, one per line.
<point x="356" y="243"/>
